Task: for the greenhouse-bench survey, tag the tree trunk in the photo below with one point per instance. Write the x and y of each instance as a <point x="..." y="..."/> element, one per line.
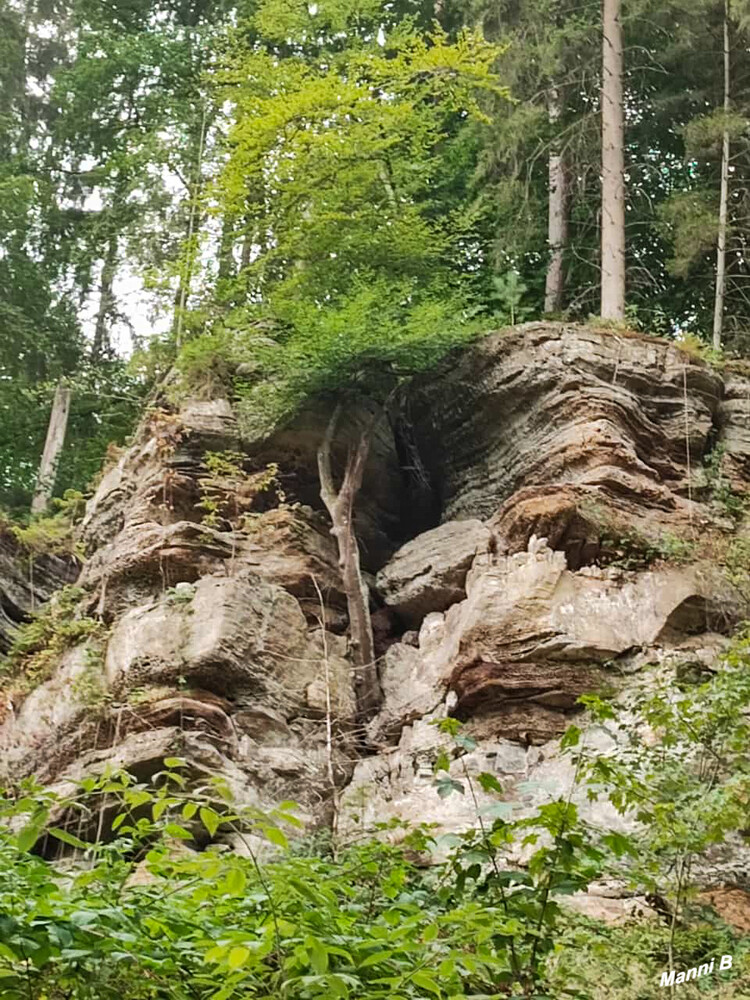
<point x="102" y="342"/>
<point x="557" y="232"/>
<point x="191" y="251"/>
<point x="227" y="267"/>
<point x="613" y="165"/>
<point x="721" y="251"/>
<point x="58" y="424"/>
<point x="340" y="506"/>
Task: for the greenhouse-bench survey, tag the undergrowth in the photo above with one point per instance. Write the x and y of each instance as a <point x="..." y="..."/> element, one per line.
<point x="39" y="643"/>
<point x="50" y="534"/>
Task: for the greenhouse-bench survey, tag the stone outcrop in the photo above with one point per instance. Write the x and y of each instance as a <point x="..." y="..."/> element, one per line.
<point x="622" y="418"/>
<point x="534" y="523"/>
<point x="27" y="581"/>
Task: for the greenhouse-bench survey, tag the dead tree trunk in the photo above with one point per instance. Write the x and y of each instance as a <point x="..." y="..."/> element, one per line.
<point x="721" y="250"/>
<point x="58" y="424"/>
<point x="340" y="506"/>
<point x="613" y="165"/>
<point x="557" y="232"/>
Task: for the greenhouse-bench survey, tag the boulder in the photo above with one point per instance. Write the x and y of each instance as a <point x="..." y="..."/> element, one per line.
<point x="236" y="636"/>
<point x="429" y="572"/>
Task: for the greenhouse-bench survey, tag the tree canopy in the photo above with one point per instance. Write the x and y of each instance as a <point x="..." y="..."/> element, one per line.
<point x="339" y="189"/>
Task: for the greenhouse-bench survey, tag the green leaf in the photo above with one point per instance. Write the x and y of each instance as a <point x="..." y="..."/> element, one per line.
<point x="217" y="953"/>
<point x="29" y="835"/>
<point x="376" y="959"/>
<point x="235" y="881"/>
<point x="275" y="835"/>
<point x="497" y="810"/>
<point x="426" y="981"/>
<point x="68" y="838"/>
<point x="489" y="782"/>
<point x="238" y="956"/>
<point x="318" y="955"/>
<point x="179" y="832"/>
<point x="175" y="762"/>
<point x="619" y="844"/>
<point x="210" y="819"/>
<point x="158" y="809"/>
<point x="446" y="787"/>
<point x="570" y="738"/>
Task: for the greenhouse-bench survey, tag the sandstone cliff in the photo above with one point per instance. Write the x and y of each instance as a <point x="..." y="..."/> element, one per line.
<point x="535" y="522"/>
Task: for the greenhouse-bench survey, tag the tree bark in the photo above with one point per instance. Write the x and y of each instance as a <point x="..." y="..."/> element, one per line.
<point x="101" y="343"/>
<point x="613" y="165"/>
<point x="194" y="196"/>
<point x="557" y="230"/>
<point x="58" y="424"/>
<point x="340" y="506"/>
<point x="721" y="250"/>
<point x="226" y="247"/>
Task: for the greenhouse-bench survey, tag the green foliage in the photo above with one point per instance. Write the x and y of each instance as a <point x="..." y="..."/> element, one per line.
<point x="370" y="269"/>
<point x="731" y="503"/>
<point x="229" y="493"/>
<point x="565" y="859"/>
<point x="679" y="768"/>
<point x="39" y="644"/>
<point x="367" y="923"/>
<point x="181" y="594"/>
<point x="146" y="914"/>
<point x="52" y="534"/>
<point x="89" y="686"/>
<point x="630" y="548"/>
<point x="626" y="962"/>
<point x="690" y="221"/>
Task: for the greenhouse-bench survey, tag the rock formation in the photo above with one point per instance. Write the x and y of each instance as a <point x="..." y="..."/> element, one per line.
<point x="536" y="523"/>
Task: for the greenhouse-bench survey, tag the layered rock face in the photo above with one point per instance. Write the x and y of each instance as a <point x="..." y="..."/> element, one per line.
<point x="534" y="525"/>
<point x="27" y="582"/>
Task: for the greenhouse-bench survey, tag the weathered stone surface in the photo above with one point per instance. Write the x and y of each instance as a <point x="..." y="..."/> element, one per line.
<point x="732" y="905"/>
<point x="410" y="690"/>
<point x="235" y="635"/>
<point x="733" y="419"/>
<point x="27" y="582"/>
<point x="608" y="909"/>
<point x="295" y="550"/>
<point x="532" y="636"/>
<point x="429" y="572"/>
<point x="49" y="728"/>
<point x="401" y="783"/>
<point x="553" y="403"/>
